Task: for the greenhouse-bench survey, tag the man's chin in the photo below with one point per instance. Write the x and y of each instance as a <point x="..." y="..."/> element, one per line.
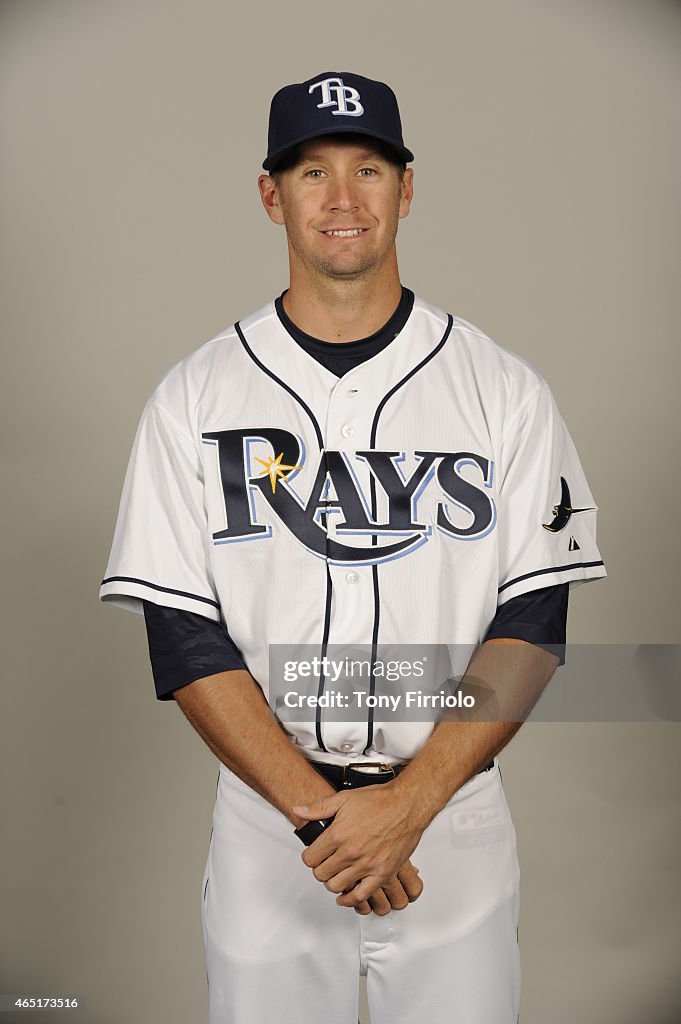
<point x="346" y="271"/>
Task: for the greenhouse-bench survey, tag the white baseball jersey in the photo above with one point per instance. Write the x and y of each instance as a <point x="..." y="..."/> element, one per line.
<point x="398" y="504"/>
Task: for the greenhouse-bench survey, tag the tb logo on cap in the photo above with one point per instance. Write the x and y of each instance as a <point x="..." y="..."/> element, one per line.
<point x="344" y="94"/>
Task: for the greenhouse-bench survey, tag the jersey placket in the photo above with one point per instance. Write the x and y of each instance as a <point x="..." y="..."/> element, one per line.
<point x="347" y="431"/>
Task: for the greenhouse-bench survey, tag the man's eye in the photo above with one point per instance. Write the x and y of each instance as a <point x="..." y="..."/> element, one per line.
<point x="367" y="171"/>
<point x="314" y="172"/>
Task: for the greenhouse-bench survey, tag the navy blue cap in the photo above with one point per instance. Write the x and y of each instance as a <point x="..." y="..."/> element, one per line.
<point x="332" y="102"/>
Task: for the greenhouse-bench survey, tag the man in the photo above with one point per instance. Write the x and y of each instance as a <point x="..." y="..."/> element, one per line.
<point x="350" y="468"/>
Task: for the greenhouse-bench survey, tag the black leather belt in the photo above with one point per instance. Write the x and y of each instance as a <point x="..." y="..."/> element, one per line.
<point x="351" y="776"/>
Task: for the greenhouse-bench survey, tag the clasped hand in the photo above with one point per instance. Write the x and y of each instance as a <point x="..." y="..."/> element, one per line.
<point x="364" y="854"/>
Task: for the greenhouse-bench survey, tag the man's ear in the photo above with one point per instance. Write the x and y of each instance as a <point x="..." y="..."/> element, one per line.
<point x="270" y="196"/>
<point x="407" y="191"/>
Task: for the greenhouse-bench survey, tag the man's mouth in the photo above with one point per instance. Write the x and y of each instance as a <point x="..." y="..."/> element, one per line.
<point x="344" y="232"/>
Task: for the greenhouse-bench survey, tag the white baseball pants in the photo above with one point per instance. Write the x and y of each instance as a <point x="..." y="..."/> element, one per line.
<point x="280" y="951"/>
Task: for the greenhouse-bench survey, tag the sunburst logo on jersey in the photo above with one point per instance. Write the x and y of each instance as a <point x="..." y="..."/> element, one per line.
<point x="275" y="470"/>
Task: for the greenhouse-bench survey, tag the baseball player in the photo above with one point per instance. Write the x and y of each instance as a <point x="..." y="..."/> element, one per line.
<point x="352" y="468"/>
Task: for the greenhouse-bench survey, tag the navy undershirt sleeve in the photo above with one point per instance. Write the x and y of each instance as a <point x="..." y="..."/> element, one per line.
<point x="184" y="646"/>
<point x="539" y="617"/>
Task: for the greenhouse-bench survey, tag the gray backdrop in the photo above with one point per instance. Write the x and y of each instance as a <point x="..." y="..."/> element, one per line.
<point x="546" y="212"/>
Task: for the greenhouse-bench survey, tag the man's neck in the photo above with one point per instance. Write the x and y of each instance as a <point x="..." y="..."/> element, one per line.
<point x="343" y="310"/>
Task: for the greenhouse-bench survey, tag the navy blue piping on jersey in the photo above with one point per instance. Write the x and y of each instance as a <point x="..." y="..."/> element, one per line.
<point x="551" y="568"/>
<point x="320" y="441"/>
<point x="285" y="386"/>
<point x="374" y="539"/>
<point x="164" y="590"/>
<point x="327" y="620"/>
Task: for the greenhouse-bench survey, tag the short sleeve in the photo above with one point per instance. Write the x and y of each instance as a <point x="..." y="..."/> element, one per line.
<point x="547" y="513"/>
<point x="160" y="550"/>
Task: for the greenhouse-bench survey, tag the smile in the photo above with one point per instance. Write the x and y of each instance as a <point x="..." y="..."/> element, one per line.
<point x="345" y="233"/>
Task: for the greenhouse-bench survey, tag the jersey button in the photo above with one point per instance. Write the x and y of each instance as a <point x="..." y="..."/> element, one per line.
<point x="347" y="430"/>
<point x="346" y="747"/>
<point x="352" y="577"/>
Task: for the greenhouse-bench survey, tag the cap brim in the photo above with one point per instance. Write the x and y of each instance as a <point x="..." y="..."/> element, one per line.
<point x="273" y="159"/>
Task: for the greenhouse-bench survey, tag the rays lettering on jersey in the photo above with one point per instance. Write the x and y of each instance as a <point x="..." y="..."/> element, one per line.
<point x="282" y="459"/>
<point x="342" y="95"/>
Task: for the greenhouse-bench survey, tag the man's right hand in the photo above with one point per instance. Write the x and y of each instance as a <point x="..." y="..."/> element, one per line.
<point x="402" y="889"/>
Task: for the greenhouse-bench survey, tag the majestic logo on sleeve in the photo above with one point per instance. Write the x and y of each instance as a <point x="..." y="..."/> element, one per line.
<point x="563" y="510"/>
<point x="335" y="93"/>
<point x="270" y="465"/>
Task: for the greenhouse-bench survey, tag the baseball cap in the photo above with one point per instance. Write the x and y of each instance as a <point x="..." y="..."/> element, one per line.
<point x="329" y="103"/>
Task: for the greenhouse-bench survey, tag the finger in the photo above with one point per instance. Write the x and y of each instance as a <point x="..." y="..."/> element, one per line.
<point x="346" y="880"/>
<point x="362" y="891"/>
<point x="394" y="891"/>
<point x="379" y="902"/>
<point x="411" y="883"/>
<point x="327" y="865"/>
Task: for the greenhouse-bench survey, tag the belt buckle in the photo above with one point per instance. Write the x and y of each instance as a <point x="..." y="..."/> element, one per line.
<point x="381" y="768"/>
<point x="376" y="768"/>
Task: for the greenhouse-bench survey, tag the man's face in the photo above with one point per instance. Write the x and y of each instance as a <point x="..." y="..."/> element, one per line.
<point x="339" y="186"/>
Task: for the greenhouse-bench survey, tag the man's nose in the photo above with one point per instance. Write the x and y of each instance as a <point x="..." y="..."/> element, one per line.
<point x="342" y="194"/>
